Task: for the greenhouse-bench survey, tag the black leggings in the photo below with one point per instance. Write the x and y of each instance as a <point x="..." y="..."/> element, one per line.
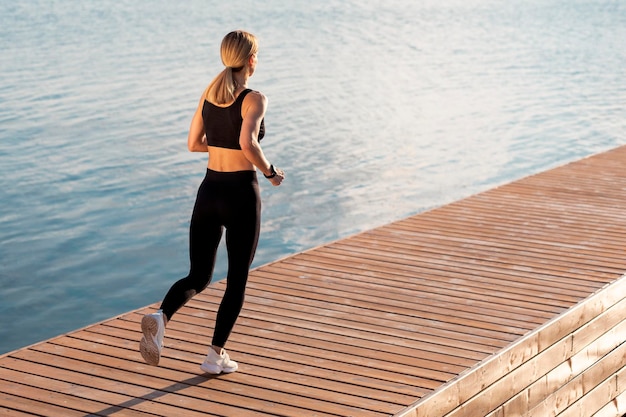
<point x="225" y="200"/>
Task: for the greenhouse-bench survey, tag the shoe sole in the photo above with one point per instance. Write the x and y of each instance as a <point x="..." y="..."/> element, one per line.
<point x="149" y="350"/>
<point x="216" y="369"/>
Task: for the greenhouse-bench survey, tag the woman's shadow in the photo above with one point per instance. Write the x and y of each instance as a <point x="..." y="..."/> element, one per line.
<point x="176" y="387"/>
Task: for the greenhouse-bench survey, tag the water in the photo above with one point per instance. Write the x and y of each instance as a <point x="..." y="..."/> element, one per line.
<point x="378" y="110"/>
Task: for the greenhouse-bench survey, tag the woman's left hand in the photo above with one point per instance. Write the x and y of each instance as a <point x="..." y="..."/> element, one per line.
<point x="277" y="179"/>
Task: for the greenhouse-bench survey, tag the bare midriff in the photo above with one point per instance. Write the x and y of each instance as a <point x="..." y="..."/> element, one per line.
<point x="228" y="160"/>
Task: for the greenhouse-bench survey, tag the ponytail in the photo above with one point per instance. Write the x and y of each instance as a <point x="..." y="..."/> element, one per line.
<point x="222" y="88"/>
<point x="235" y="50"/>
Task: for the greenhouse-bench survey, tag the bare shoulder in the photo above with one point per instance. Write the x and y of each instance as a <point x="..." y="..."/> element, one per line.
<point x="257" y="97"/>
<point x="255" y="101"/>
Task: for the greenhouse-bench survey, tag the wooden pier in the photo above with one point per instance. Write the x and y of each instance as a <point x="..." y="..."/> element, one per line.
<point x="507" y="303"/>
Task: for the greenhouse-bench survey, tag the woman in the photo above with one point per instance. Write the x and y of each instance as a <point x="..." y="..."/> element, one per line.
<point x="228" y="124"/>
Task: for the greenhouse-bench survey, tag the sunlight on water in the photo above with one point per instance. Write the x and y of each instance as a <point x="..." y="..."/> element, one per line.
<point x="377" y="112"/>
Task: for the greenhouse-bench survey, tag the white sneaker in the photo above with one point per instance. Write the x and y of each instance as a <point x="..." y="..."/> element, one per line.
<point x="216" y="364"/>
<point x="153" y="329"/>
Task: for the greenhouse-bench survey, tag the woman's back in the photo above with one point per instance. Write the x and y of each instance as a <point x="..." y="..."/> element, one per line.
<point x="222" y="124"/>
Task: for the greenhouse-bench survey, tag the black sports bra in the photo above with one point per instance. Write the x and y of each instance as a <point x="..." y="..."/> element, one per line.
<point x="222" y="125"/>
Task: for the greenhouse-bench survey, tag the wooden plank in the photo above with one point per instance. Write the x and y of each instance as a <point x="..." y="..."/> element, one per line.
<point x="427" y="308"/>
<point x="539" y="392"/>
<point x="577" y="385"/>
<point x="596" y="327"/>
<point x="427" y="275"/>
<point x="59" y="395"/>
<point x="481" y="244"/>
<point x="615" y="408"/>
<point x="458" y="391"/>
<point x="361" y="385"/>
<point x="364" y="310"/>
<point x="494" y="395"/>
<point x="266" y="380"/>
<point x="621" y="380"/>
<point x="430" y="299"/>
<point x="471" y="262"/>
<point x="482" y="298"/>
<point x="474" y="268"/>
<point x="620" y="399"/>
<point x="196" y="389"/>
<point x="512" y="222"/>
<point x="591" y="402"/>
<point x="18" y="406"/>
<point x="555" y="259"/>
<point x="328" y="361"/>
<point x="329" y="319"/>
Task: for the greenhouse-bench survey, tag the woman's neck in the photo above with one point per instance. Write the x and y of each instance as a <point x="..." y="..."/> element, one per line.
<point x="241" y="82"/>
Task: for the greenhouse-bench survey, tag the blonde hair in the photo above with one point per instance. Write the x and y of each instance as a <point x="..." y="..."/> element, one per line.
<point x="236" y="48"/>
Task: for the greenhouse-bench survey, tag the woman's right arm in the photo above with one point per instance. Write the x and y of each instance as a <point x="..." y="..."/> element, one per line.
<point x="256" y="104"/>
